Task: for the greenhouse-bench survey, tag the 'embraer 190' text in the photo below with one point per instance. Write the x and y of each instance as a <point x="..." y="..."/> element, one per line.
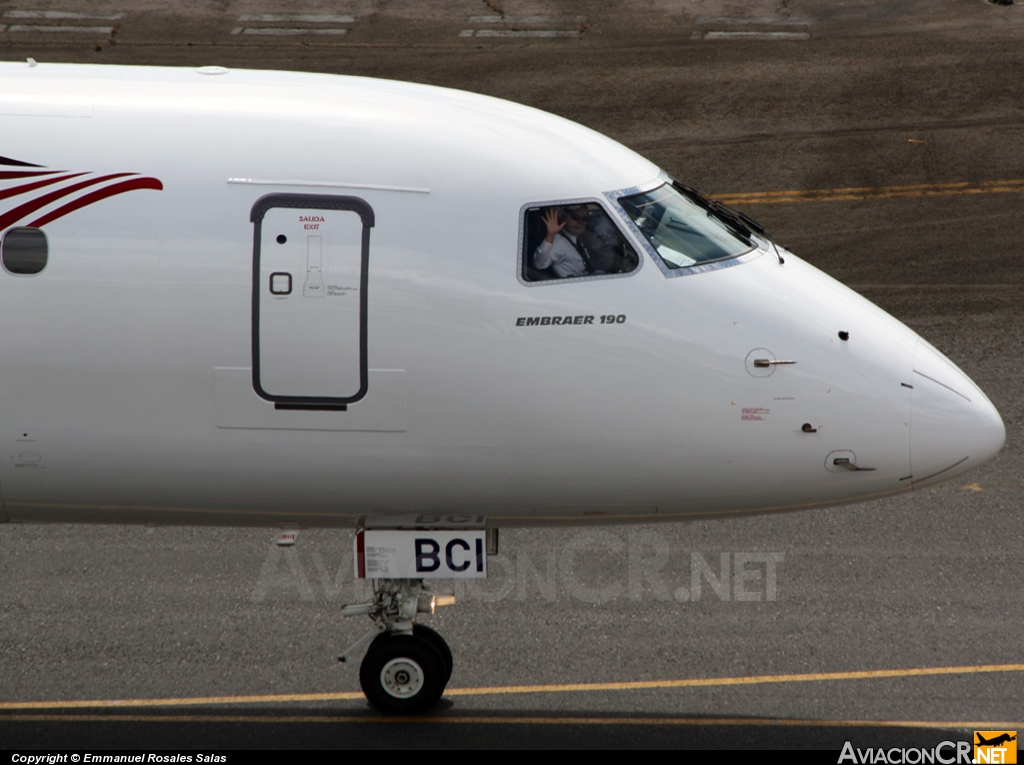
<point x="548" y="321"/>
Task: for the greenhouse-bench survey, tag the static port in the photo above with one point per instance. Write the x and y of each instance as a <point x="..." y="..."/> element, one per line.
<point x="844" y="335"/>
<point x="281" y="239"/>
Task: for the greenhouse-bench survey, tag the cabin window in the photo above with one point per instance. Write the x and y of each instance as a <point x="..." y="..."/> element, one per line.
<point x="572" y="241"/>
<point x="24" y="251"/>
<point x="686" y="229"/>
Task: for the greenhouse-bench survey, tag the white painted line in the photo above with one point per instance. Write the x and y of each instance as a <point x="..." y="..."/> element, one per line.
<point x="62" y="15"/>
<point x="706" y="20"/>
<point x="527" y="19"/>
<point x="237" y="30"/>
<point x="465" y="33"/>
<point x="525" y="33"/>
<point x="757" y="36"/>
<point x="307" y="18"/>
<point x="69" y="30"/>
<point x="327" y="184"/>
<point x="280" y="32"/>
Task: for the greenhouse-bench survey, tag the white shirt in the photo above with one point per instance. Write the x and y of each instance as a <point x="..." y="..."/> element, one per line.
<point x="560" y="256"/>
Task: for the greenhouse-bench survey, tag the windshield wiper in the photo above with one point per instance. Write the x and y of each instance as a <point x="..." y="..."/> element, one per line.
<point x="741" y="223"/>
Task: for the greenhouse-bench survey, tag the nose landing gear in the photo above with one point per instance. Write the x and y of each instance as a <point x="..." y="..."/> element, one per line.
<point x="407" y="666"/>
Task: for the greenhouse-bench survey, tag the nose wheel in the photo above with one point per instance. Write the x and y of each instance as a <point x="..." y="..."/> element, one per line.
<point x="403" y="674"/>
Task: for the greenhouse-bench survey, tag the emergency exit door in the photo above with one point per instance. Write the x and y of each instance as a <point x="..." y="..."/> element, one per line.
<point x="309" y="309"/>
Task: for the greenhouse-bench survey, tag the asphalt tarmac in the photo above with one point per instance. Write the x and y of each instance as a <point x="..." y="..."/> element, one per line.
<point x="894" y="623"/>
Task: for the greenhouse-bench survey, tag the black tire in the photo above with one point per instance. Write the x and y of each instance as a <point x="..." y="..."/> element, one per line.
<point x="402" y="675"/>
<point x="438" y="644"/>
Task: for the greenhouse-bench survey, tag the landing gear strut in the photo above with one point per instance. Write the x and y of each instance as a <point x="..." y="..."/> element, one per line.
<point x="407" y="666"/>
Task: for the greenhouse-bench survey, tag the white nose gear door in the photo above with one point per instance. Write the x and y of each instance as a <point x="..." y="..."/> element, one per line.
<point x="309" y="310"/>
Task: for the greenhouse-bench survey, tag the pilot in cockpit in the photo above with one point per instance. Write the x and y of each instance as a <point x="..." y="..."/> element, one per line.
<point x="579" y="243"/>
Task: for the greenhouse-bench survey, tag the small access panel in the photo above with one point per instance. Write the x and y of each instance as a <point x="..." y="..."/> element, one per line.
<point x="310" y="270"/>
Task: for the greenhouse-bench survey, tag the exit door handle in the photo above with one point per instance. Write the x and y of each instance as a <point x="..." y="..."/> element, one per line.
<point x="844" y="462"/>
<point x="770" y="362"/>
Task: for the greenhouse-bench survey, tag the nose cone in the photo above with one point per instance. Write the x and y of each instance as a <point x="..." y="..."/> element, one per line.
<point x="954" y="426"/>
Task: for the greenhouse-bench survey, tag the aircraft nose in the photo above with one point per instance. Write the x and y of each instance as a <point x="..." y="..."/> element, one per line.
<point x="953" y="426"/>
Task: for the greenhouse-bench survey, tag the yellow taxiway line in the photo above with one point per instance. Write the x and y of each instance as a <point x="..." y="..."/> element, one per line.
<point x="746" y="722"/>
<point x="878" y="192"/>
<point x="708" y="682"/>
<point x="743" y="680"/>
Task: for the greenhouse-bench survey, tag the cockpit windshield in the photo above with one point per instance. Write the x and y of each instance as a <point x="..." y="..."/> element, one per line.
<point x="686" y="228"/>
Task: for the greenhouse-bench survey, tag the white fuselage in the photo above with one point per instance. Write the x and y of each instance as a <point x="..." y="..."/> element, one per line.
<point x="126" y="365"/>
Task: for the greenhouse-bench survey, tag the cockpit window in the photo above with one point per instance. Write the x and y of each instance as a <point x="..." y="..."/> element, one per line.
<point x="686" y="228"/>
<point x="573" y="240"/>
